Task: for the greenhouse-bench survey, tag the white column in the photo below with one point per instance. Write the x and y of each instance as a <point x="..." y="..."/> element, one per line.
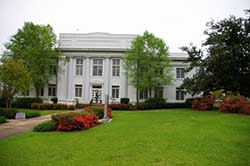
<point x="86" y="84"/>
<point x="124" y="85"/>
<point x="70" y="80"/>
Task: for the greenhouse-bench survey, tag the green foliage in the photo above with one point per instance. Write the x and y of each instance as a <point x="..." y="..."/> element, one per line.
<point x="67" y="116"/>
<point x="25" y="102"/>
<point x="124" y="100"/>
<point x="227" y="65"/>
<point x="35" y="46"/>
<point x="2" y="119"/>
<point x="32" y="114"/>
<point x="49" y="106"/>
<point x="14" y="78"/>
<point x="8" y="113"/>
<point x="147" y="64"/>
<point x="154" y="103"/>
<point x="45" y="126"/>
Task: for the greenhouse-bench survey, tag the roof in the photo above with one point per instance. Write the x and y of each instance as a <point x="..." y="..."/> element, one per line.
<point x="99" y="41"/>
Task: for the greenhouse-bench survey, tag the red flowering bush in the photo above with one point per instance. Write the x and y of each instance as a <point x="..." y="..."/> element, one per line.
<point x="204" y="104"/>
<point x="75" y="121"/>
<point x="235" y="104"/>
<point x="98" y="111"/>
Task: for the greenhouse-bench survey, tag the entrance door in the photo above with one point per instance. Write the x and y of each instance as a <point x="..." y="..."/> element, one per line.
<point x="97" y="93"/>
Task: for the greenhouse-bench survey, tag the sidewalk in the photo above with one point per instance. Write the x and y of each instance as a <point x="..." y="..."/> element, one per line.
<point x="13" y="127"/>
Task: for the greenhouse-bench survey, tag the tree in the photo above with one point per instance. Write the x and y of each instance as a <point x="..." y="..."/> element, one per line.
<point x="35" y="46"/>
<point x="227" y="65"/>
<point x="14" y="78"/>
<point x="147" y="64"/>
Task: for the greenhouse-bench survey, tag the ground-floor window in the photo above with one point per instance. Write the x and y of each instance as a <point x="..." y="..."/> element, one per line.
<point x="143" y="94"/>
<point x="52" y="90"/>
<point x="78" y="90"/>
<point x="180" y="94"/>
<point x="115" y="92"/>
<point x="159" y="92"/>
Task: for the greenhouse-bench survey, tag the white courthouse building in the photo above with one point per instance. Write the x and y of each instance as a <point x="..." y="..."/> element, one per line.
<point x="91" y="67"/>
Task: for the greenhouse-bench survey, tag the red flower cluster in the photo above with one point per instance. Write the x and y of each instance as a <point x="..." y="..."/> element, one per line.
<point x="235" y="105"/>
<point x="204" y="104"/>
<point x="78" y="122"/>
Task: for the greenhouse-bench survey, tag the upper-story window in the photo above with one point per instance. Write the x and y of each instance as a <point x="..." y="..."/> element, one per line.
<point x="180" y="72"/>
<point x="97" y="67"/>
<point x="79" y="67"/>
<point x="115" y="67"/>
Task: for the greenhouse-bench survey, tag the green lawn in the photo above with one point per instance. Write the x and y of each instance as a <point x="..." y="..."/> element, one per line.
<point x="42" y="112"/>
<point x="166" y="138"/>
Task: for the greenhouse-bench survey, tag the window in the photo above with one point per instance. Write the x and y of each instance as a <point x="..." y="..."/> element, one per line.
<point x="159" y="92"/>
<point x="115" y="92"/>
<point x="41" y="92"/>
<point x="97" y="67"/>
<point x="79" y="67"/>
<point x="179" y="72"/>
<point x="116" y="67"/>
<point x="78" y="90"/>
<point x="26" y="93"/>
<point x="143" y="94"/>
<point x="180" y="94"/>
<point x="52" y="90"/>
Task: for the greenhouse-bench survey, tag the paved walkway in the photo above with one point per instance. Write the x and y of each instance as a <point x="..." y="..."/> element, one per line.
<point x="14" y="127"/>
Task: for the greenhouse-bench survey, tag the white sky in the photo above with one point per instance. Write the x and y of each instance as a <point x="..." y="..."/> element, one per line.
<point x="178" y="22"/>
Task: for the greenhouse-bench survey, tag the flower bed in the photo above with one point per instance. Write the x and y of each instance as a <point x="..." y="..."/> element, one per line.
<point x="204" y="104"/>
<point x="235" y="104"/>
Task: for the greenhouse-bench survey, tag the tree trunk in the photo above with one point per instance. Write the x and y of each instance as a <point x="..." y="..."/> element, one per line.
<point x="137" y="96"/>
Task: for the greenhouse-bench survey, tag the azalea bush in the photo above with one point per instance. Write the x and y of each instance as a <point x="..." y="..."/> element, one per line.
<point x="204" y="104"/>
<point x="75" y="121"/>
<point x="235" y="104"/>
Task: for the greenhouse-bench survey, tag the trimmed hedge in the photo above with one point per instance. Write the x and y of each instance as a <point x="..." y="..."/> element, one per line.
<point x="149" y="106"/>
<point x="81" y="105"/>
<point x="48" y="106"/>
<point x="8" y="113"/>
<point x="46" y="126"/>
<point x="124" y="100"/>
<point x="25" y="102"/>
<point x="2" y="119"/>
<point x="120" y="106"/>
<point x="32" y="114"/>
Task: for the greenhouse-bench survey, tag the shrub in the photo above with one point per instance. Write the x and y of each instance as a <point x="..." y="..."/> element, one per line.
<point x="2" y="119"/>
<point x="48" y="106"/>
<point x="54" y="100"/>
<point x="8" y="113"/>
<point x="25" y="102"/>
<point x="46" y="126"/>
<point x="98" y="111"/>
<point x="154" y="103"/>
<point x="124" y="100"/>
<point x="177" y="105"/>
<point x="75" y="121"/>
<point x="32" y="114"/>
<point x="189" y="101"/>
<point x="81" y="105"/>
<point x="204" y="104"/>
<point x="234" y="104"/>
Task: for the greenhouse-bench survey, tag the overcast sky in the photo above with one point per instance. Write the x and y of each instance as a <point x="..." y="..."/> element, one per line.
<point x="178" y="22"/>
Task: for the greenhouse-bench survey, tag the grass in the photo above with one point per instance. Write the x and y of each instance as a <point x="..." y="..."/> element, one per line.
<point x="155" y="138"/>
<point x="42" y="112"/>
